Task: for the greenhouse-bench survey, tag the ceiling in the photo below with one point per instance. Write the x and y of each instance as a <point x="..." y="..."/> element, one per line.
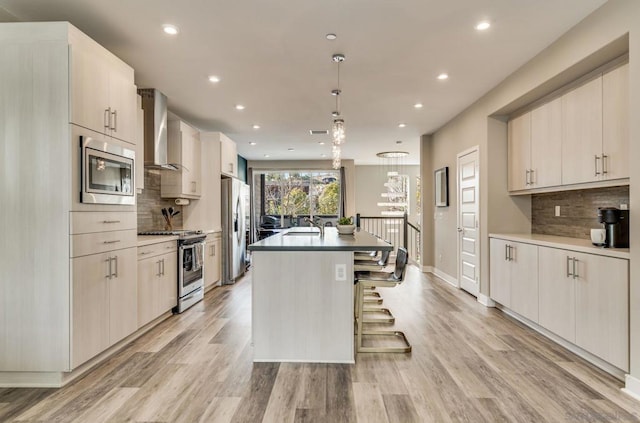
<point x="273" y="57"/>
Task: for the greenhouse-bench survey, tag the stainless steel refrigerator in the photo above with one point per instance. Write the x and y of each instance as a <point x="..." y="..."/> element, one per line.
<point x="235" y="226"/>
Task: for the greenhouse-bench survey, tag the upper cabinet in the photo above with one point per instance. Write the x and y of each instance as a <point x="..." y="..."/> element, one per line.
<point x="580" y="137"/>
<point x="582" y="133"/>
<point x="103" y="92"/>
<point x="228" y="157"/>
<point x="184" y="151"/>
<point x="535" y="148"/>
<point x="615" y="123"/>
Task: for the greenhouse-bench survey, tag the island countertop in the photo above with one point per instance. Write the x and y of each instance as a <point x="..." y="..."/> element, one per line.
<point x="299" y="239"/>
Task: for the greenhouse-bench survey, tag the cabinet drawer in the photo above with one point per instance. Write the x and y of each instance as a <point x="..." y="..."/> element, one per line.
<point x="156" y="249"/>
<point x="85" y="244"/>
<point x="213" y="236"/>
<point x="90" y="222"/>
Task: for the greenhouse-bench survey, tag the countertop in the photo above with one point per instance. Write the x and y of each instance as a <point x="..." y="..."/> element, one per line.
<point x="332" y="241"/>
<point x="155" y="239"/>
<point x="574" y="244"/>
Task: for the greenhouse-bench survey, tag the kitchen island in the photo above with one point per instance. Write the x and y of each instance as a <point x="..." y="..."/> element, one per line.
<point x="302" y="295"/>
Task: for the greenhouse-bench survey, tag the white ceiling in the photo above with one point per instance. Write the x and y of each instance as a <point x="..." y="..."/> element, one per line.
<point x="272" y="56"/>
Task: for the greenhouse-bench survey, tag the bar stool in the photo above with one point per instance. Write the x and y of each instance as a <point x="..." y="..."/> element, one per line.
<point x="380" y="279"/>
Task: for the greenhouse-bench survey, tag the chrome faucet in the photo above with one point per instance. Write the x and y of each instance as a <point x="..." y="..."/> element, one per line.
<point x="316" y="224"/>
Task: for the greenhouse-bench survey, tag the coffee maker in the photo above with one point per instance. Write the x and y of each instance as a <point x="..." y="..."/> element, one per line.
<point x="616" y="225"/>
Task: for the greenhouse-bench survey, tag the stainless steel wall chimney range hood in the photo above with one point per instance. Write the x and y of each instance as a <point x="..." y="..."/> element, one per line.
<point x="154" y="104"/>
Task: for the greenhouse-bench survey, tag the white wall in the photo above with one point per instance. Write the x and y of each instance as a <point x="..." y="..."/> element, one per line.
<point x="475" y="126"/>
<point x="370" y="181"/>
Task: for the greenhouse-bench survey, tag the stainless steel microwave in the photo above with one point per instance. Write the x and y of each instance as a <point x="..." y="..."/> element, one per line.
<point x="107" y="172"/>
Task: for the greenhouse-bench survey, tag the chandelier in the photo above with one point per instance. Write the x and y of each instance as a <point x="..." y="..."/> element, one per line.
<point x="337" y="128"/>
<point x="396" y="191"/>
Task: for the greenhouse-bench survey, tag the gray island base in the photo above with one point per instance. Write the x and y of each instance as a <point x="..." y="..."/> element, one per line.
<point x="302" y="295"/>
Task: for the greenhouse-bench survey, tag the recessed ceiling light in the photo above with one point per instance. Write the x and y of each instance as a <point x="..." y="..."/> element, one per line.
<point x="239" y="107"/>
<point x="266" y="155"/>
<point x="443" y="76"/>
<point x="214" y="79"/>
<point x="170" y="29"/>
<point x="321" y="142"/>
<point x="331" y="36"/>
<point x="399" y="142"/>
<point x="256" y="126"/>
<point x="252" y="143"/>
<point x="481" y="26"/>
<point x="290" y="149"/>
<point x="402" y="125"/>
<point x="418" y="105"/>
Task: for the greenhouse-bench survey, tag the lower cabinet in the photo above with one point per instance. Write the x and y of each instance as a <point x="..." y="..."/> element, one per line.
<point x="583" y="298"/>
<point x="104" y="301"/>
<point x="514" y="276"/>
<point x="212" y="264"/>
<point x="157" y="281"/>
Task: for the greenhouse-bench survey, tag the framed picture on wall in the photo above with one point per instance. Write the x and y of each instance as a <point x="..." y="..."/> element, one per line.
<point x="442" y="187"/>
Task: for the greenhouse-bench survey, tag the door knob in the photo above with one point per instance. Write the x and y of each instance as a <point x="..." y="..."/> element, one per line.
<point x="460" y="229"/>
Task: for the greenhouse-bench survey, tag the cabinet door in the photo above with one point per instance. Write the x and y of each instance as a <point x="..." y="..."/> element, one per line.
<point x="212" y="263"/>
<point x="123" y="294"/>
<point x="500" y="268"/>
<point x="228" y="157"/>
<point x="149" y="272"/>
<point x="167" y="284"/>
<point x="556" y="293"/>
<point x="524" y="280"/>
<point x="546" y="145"/>
<point x="191" y="159"/>
<point x="582" y="133"/>
<point x="90" y="307"/>
<point x="519" y="152"/>
<point x="122" y="101"/>
<point x="615" y="122"/>
<point x="602" y="307"/>
<point x="89" y="88"/>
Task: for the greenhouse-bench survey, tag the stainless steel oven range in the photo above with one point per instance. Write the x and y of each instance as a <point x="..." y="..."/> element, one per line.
<point x="190" y="266"/>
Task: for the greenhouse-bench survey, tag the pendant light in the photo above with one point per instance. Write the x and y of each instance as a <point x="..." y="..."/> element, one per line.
<point x="337" y="128"/>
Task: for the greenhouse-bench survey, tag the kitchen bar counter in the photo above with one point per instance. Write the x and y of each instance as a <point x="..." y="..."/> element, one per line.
<point x="565" y="243"/>
<point x="302" y="295"/>
<point x="301" y="239"/>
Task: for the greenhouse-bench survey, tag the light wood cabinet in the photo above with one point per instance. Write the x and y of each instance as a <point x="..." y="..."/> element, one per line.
<point x="157" y="281"/>
<point x="602" y="307"/>
<point x="556" y="301"/>
<point x="184" y="150"/>
<point x="582" y="133"/>
<point x="212" y="263"/>
<point x="615" y="123"/>
<point x="102" y="90"/>
<point x="104" y="303"/>
<point x="514" y="276"/>
<point x="228" y="157"/>
<point x="535" y="148"/>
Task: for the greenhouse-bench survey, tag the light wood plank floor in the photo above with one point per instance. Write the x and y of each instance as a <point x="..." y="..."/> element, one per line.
<point x="469" y="364"/>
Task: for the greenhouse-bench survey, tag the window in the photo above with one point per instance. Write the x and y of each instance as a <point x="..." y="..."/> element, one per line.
<point x="293" y="194"/>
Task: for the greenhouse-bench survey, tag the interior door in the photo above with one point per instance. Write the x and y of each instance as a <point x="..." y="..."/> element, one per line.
<point x="468" y="208"/>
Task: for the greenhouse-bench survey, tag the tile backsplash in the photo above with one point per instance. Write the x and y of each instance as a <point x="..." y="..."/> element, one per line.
<point x="578" y="210"/>
<point x="149" y="204"/>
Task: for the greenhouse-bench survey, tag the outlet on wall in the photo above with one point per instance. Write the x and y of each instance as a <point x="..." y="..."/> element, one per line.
<point x="557" y="211"/>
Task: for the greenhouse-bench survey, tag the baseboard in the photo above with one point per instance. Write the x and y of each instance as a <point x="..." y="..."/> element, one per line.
<point x="445" y="277"/>
<point x="427" y="269"/>
<point x="485" y="300"/>
<point x="632" y="387"/>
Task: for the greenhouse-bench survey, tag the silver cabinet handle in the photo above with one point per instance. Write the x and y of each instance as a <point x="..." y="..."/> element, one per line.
<point x="109" y="274"/>
<point x="569" y="271"/>
<point x="575" y="271"/>
<point x="114" y="127"/>
<point x="230" y="167"/>
<point x="159" y="268"/>
<point x="162" y="267"/>
<point x="526" y="177"/>
<point x="111" y="242"/>
<point x="107" y="118"/>
<point x="193" y="186"/>
<point x="110" y="221"/>
<point x="511" y="248"/>
<point x="115" y="274"/>
<point x="506" y="252"/>
<point x="531" y="178"/>
<point x="604" y="164"/>
<point x="595" y="162"/>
